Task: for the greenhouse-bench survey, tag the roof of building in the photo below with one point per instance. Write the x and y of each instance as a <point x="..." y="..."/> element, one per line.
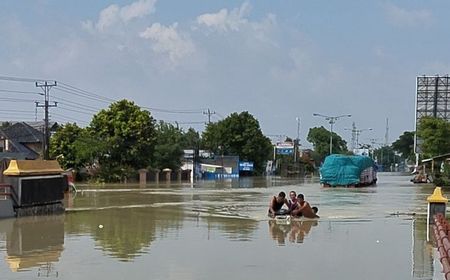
<point x="19" y="134"/>
<point x="23" y="133"/>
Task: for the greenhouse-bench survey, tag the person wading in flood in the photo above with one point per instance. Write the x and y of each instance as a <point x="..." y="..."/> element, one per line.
<point x="292" y="203"/>
<point x="304" y="209"/>
<point x="276" y="204"/>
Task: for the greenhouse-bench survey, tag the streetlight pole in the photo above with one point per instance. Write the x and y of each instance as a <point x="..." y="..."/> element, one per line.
<point x="331" y="120"/>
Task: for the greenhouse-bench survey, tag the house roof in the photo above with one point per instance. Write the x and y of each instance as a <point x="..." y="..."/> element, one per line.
<point x="23" y="133"/>
<point x="20" y="134"/>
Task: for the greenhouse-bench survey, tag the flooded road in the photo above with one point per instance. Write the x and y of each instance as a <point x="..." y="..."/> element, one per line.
<point x="219" y="230"/>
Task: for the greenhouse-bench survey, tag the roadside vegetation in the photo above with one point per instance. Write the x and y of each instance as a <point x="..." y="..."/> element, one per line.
<point x="124" y="138"/>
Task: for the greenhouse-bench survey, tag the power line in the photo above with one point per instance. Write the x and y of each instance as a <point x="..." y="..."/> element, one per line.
<point x="20" y="92"/>
<point x="81" y="95"/>
<point x="85" y="92"/>
<point x="21" y="114"/>
<point x="173" y="111"/>
<point x="220" y="115"/>
<point x="76" y="91"/>
<point x="75" y="111"/>
<point x="69" y="118"/>
<point x="83" y="106"/>
<point x="19" y="79"/>
<point x="16" y="111"/>
<point x="199" y="122"/>
<point x="7" y="99"/>
<point x="21" y="119"/>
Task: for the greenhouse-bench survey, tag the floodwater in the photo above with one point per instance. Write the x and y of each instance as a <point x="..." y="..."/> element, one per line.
<point x="219" y="230"/>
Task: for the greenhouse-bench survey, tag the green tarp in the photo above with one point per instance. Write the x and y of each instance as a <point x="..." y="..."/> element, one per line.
<point x="343" y="170"/>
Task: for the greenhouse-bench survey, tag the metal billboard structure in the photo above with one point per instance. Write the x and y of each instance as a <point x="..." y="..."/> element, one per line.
<point x="432" y="100"/>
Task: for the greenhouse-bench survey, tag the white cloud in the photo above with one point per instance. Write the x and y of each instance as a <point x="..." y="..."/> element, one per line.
<point x="225" y="20"/>
<point x="137" y="9"/>
<point x="108" y="17"/>
<point x="403" y="17"/>
<point x="167" y="40"/>
<point x="114" y="14"/>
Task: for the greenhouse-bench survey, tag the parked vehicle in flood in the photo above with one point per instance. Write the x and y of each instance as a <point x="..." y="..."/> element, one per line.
<point x="348" y="171"/>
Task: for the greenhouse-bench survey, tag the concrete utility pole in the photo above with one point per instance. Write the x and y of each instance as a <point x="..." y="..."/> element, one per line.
<point x="209" y="113"/>
<point x="46" y="86"/>
<point x="386" y="135"/>
<point x="353" y="130"/>
<point x="297" y="141"/>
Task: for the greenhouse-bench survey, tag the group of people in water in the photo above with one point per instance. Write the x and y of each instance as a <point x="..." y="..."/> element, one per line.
<point x="296" y="205"/>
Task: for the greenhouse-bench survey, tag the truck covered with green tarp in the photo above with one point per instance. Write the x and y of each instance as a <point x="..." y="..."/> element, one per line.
<point x="348" y="171"/>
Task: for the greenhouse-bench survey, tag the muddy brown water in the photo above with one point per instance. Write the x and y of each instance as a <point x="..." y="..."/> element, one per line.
<point x="219" y="230"/>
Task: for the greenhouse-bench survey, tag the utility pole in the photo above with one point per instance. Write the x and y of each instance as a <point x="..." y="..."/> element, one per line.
<point x="209" y="113"/>
<point x="353" y="130"/>
<point x="46" y="86"/>
<point x="386" y="135"/>
<point x="297" y="141"/>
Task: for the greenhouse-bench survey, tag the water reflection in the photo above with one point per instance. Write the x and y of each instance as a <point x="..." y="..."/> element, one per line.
<point x="235" y="229"/>
<point x="125" y="233"/>
<point x="124" y="222"/>
<point x="293" y="230"/>
<point x="34" y="242"/>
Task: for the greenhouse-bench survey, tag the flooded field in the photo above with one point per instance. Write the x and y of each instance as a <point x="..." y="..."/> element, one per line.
<point x="219" y="230"/>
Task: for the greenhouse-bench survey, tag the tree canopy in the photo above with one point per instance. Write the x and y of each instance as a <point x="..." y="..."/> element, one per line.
<point x="405" y="145"/>
<point x="128" y="134"/>
<point x="386" y="157"/>
<point x="63" y="147"/>
<point x="191" y="139"/>
<point x="168" y="149"/>
<point x="434" y="134"/>
<point x="320" y="138"/>
<point x="239" y="134"/>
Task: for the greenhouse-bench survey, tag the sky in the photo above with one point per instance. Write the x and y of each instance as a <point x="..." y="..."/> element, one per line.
<point x="282" y="61"/>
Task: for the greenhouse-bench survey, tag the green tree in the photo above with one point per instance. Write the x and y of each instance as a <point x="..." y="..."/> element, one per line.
<point x="5" y="124"/>
<point x="386" y="157"/>
<point x="168" y="150"/>
<point x="435" y="136"/>
<point x="63" y="147"/>
<point x="239" y="134"/>
<point x="88" y="149"/>
<point x="128" y="134"/>
<point x="405" y="145"/>
<point x="191" y="139"/>
<point x="320" y="138"/>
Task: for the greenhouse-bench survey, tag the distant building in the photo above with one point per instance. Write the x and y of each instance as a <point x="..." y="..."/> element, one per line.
<point x="209" y="166"/>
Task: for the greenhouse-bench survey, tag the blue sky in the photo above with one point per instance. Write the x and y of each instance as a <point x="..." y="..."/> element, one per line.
<point x="278" y="60"/>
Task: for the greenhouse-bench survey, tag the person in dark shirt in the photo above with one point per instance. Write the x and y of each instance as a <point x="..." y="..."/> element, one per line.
<point x="276" y="204"/>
